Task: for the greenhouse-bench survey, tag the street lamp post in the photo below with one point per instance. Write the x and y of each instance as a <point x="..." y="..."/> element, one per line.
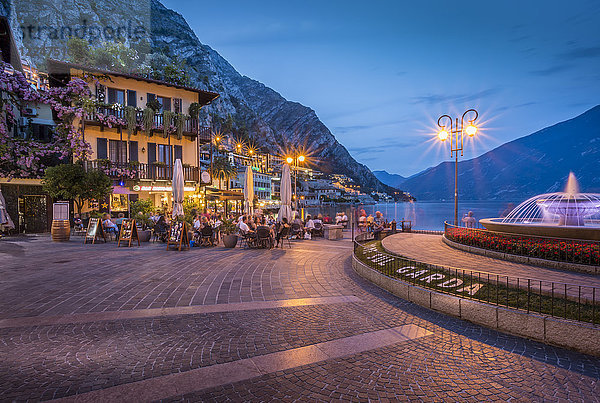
<point x="295" y="160"/>
<point x="456" y="134"/>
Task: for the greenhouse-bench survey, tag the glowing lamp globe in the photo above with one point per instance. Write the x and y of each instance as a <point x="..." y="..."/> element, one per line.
<point x="443" y="135"/>
<point x="301" y="158"/>
<point x="289" y="160"/>
<point x="471" y="130"/>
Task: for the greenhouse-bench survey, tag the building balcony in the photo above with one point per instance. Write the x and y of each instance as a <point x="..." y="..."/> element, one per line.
<point x="109" y="117"/>
<point x="141" y="171"/>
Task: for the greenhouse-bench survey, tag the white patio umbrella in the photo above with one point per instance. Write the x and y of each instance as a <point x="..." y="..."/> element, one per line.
<point x="177" y="189"/>
<point x="248" y="191"/>
<point x="5" y="221"/>
<point x="285" y="190"/>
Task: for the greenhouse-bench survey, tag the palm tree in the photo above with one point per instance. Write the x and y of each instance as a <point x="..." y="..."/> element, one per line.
<point x="222" y="169"/>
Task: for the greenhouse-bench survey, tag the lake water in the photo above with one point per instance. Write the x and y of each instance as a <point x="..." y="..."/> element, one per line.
<point x="431" y="215"/>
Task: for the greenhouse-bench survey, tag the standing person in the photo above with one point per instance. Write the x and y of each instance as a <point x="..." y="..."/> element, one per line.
<point x="378" y="224"/>
<point x="469" y="220"/>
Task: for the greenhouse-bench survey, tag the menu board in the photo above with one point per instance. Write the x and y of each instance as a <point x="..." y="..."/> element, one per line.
<point x="178" y="235"/>
<point x="128" y="233"/>
<point x="94" y="230"/>
<point x="60" y="211"/>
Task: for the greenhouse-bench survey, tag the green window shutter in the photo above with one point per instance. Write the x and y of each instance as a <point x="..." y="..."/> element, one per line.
<point x="102" y="149"/>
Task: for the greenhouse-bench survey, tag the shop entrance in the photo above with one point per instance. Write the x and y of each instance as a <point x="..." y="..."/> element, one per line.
<point x="33" y="213"/>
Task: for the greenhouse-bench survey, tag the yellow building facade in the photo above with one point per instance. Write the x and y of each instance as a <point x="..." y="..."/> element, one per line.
<point x="132" y="147"/>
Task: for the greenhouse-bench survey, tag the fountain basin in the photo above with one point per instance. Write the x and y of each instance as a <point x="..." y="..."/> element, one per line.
<point x="541" y="229"/>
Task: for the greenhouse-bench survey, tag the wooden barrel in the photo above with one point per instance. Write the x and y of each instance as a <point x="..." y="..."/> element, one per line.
<point x="61" y="230"/>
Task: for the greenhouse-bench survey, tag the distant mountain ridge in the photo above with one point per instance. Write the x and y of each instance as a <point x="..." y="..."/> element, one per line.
<point x="530" y="165"/>
<point x="393" y="180"/>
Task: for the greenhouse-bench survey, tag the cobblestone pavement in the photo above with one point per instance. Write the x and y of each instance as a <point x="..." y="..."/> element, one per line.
<point x="431" y="249"/>
<point x="292" y="299"/>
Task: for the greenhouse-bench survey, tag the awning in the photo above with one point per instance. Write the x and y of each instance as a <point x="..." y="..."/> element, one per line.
<point x="218" y="194"/>
<point x="120" y="190"/>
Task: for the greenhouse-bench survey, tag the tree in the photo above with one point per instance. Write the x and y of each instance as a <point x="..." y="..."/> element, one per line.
<point x="73" y="182"/>
<point x="222" y="169"/>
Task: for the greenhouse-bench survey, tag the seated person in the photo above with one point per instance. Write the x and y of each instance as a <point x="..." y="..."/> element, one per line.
<point x="108" y="225"/>
<point x="120" y="219"/>
<point x="77" y="223"/>
<point x="297" y="227"/>
<point x="282" y="230"/>
<point x="319" y="219"/>
<point x="310" y="224"/>
<point x="327" y="219"/>
<point x="197" y="223"/>
<point x="244" y="228"/>
<point x="362" y="221"/>
<point x="344" y="220"/>
<point x="160" y="228"/>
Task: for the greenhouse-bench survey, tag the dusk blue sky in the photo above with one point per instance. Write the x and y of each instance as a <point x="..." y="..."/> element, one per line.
<point x="380" y="73"/>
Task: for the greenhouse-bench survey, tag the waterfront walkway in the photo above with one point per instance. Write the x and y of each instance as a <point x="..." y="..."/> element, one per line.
<point x="97" y="323"/>
<point x="431" y="249"/>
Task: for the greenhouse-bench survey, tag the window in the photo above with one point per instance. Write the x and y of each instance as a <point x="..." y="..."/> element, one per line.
<point x="164" y="154"/>
<point x="131" y="98"/>
<point x="177" y="105"/>
<point x="165" y="103"/>
<point x="116" y="96"/>
<point x="117" y="151"/>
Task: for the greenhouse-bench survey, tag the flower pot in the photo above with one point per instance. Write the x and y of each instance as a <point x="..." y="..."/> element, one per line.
<point x="230" y="241"/>
<point x="144" y="235"/>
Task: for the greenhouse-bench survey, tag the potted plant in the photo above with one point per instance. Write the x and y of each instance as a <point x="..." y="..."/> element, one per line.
<point x="141" y="210"/>
<point x="228" y="228"/>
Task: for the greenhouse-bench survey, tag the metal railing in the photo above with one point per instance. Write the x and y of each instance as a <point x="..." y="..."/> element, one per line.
<point x="562" y="250"/>
<point x="135" y="170"/>
<point x="562" y="300"/>
<point x="191" y="126"/>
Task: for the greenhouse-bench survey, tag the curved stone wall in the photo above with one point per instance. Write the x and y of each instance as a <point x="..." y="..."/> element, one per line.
<point x="542" y="328"/>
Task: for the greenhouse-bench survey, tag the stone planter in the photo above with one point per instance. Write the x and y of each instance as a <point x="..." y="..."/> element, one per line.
<point x="230" y="241"/>
<point x="144" y="235"/>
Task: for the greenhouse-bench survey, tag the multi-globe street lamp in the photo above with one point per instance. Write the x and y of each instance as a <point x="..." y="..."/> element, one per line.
<point x="295" y="160"/>
<point x="456" y="134"/>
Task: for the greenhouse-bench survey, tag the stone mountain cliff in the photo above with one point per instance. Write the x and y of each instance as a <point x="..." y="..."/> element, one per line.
<point x="271" y="120"/>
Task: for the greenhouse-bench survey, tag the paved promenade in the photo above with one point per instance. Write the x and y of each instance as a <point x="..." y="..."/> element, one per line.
<point x="431" y="249"/>
<point x="97" y="323"/>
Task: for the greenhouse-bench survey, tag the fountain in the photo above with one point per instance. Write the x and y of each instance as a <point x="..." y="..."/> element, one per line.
<point x="569" y="214"/>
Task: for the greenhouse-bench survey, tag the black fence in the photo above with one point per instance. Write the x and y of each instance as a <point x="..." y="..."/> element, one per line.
<point x="563" y="300"/>
<point x="562" y="250"/>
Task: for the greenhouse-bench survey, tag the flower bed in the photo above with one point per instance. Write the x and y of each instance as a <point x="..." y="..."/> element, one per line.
<point x="564" y="250"/>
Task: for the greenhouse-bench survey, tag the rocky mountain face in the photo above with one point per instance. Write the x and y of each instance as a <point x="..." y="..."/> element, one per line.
<point x="271" y="121"/>
<point x="393" y="180"/>
<point x="531" y="165"/>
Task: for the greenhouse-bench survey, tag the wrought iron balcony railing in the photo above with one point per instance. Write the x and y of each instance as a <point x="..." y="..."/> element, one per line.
<point x="115" y="117"/>
<point x="136" y="170"/>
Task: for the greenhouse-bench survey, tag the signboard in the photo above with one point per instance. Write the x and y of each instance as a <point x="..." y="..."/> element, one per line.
<point x="94" y="230"/>
<point x="128" y="233"/>
<point x="60" y="211"/>
<point x="178" y="235"/>
<point x="153" y="188"/>
<point x="205" y="177"/>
